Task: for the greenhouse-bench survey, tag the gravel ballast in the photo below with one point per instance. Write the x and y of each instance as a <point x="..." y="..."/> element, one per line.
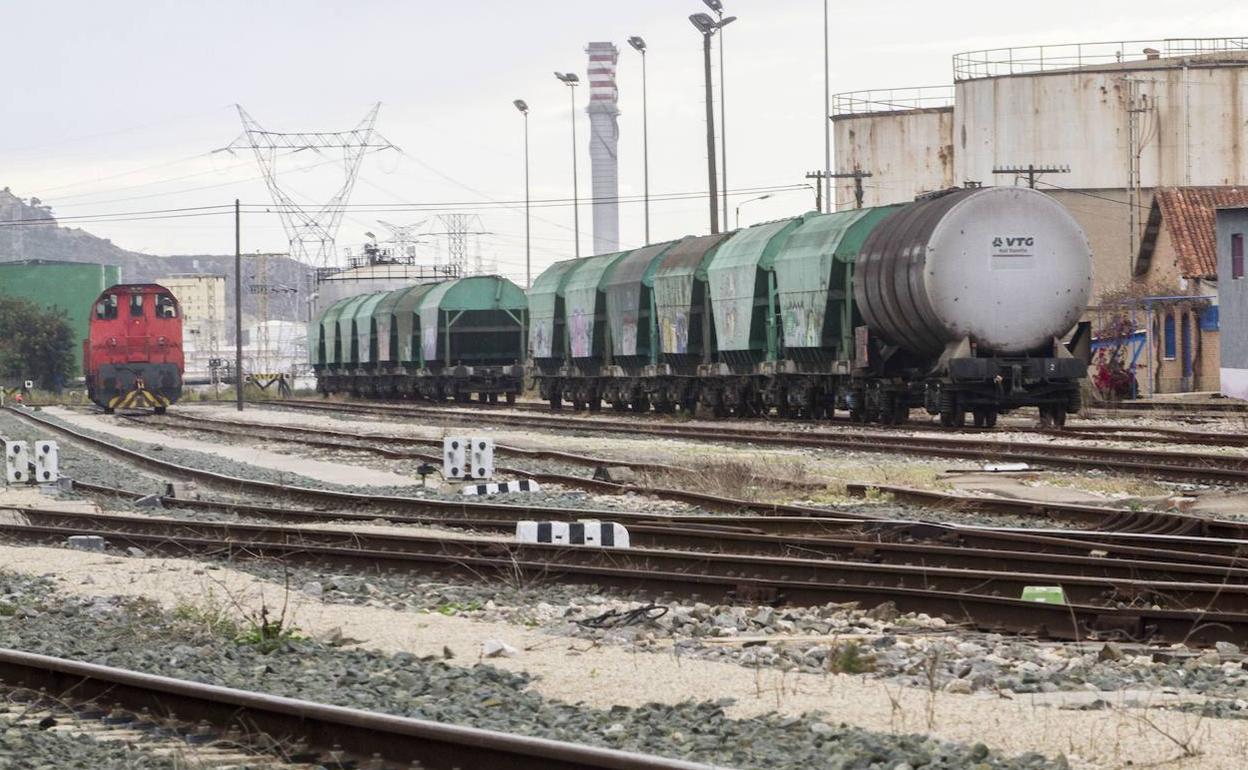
<point x="191" y="644"/>
<point x="37" y="750"/>
<point x="910" y="648"/>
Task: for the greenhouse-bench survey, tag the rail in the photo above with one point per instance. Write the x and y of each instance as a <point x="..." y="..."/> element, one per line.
<point x="1021" y="60"/>
<point x="362" y="734"/>
<point x="1184" y="466"/>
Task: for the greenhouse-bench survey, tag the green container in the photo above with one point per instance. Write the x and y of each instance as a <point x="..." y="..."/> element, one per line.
<point x="584" y="305"/>
<point x="739" y="276"/>
<point x="546" y="332"/>
<point x="474" y="321"/>
<point x="67" y="286"/>
<point x="814" y="283"/>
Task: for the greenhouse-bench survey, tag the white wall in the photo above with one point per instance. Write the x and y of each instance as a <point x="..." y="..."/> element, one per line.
<point x="1195" y="135"/>
<point x="907" y="152"/>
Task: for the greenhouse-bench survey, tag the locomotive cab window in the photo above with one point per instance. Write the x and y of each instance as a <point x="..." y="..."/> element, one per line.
<point x="106" y="309"/>
<point x="136" y="305"/>
<point x="166" y="307"/>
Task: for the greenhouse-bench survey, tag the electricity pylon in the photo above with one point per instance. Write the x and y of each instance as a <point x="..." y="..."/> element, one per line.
<point x="311" y="232"/>
<point x="404" y="237"/>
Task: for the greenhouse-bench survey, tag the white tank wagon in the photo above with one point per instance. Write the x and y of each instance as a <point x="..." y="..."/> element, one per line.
<point x="977" y="285"/>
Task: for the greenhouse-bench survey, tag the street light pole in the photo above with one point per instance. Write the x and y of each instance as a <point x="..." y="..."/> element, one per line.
<point x="640" y="45"/>
<point x="718" y="7"/>
<point x="751" y="200"/>
<point x="827" y="116"/>
<point x="708" y="27"/>
<point x="572" y="81"/>
<point x="528" y="261"/>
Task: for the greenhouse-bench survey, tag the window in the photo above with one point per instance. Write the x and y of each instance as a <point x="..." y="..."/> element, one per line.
<point x="106" y="309"/>
<point x="1168" y="337"/>
<point x="136" y="305"/>
<point x="1186" y="328"/>
<point x="166" y="307"/>
<point x="1237" y="255"/>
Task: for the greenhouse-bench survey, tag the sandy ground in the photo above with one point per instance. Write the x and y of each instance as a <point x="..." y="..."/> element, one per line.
<point x="575" y="670"/>
<point x="332" y="473"/>
<point x="34" y="497"/>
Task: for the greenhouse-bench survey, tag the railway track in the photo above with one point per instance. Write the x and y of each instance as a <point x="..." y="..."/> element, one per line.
<point x="385" y="446"/>
<point x="980" y="598"/>
<point x="1121" y="433"/>
<point x="821" y="559"/>
<point x="1180" y="466"/>
<point x="332" y="736"/>
<point x="1098" y="517"/>
<point x="331" y="439"/>
<point x="963" y="594"/>
<point x="777" y="535"/>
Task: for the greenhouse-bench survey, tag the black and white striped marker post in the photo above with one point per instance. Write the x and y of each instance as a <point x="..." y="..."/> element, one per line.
<point x="503" y="487"/>
<point x="595" y="534"/>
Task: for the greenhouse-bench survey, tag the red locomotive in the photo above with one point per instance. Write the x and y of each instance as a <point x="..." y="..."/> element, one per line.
<point x="133" y="352"/>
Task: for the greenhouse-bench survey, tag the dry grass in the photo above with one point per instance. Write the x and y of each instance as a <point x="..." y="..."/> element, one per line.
<point x="759" y="478"/>
<point x="1113" y="486"/>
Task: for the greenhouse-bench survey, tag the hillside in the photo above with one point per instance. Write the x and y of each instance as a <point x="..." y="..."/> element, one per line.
<point x="51" y="241"/>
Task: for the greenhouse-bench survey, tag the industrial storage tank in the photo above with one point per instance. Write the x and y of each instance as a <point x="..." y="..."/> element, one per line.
<point x="1007" y="267"/>
<point x="901" y="138"/>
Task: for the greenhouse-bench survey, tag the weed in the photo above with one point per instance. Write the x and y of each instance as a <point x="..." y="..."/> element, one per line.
<point x="454" y="608"/>
<point x="268" y="635"/>
<point x="209" y="616"/>
<point x="849" y="659"/>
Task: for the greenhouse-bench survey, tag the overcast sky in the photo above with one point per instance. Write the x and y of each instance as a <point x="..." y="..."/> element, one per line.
<point x="116" y="106"/>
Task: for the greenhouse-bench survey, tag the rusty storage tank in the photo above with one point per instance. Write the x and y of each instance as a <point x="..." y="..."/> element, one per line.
<point x="1007" y="267"/>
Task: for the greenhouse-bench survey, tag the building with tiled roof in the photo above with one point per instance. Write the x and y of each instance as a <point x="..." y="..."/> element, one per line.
<point x="1187" y="214"/>
<point x="1177" y="261"/>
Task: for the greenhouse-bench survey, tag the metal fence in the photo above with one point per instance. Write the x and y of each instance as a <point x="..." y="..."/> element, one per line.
<point x="892" y="100"/>
<point x="994" y="62"/>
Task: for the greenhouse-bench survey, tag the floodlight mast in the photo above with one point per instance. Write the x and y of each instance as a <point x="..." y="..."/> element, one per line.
<point x="708" y="27"/>
<point x="311" y="234"/>
<point x="639" y="45"/>
<point x="570" y="80"/>
<point x="523" y="106"/>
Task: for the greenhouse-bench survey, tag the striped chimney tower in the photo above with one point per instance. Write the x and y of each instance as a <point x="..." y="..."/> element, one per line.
<point x="604" y="137"/>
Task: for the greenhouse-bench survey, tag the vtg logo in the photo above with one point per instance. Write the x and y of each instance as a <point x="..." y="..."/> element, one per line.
<point x="1013" y="240"/>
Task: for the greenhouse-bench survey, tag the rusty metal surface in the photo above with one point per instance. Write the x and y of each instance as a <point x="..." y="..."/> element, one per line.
<point x="361" y="734"/>
<point x="251" y="537"/>
<point x="789" y="581"/>
<point x="781" y="535"/>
